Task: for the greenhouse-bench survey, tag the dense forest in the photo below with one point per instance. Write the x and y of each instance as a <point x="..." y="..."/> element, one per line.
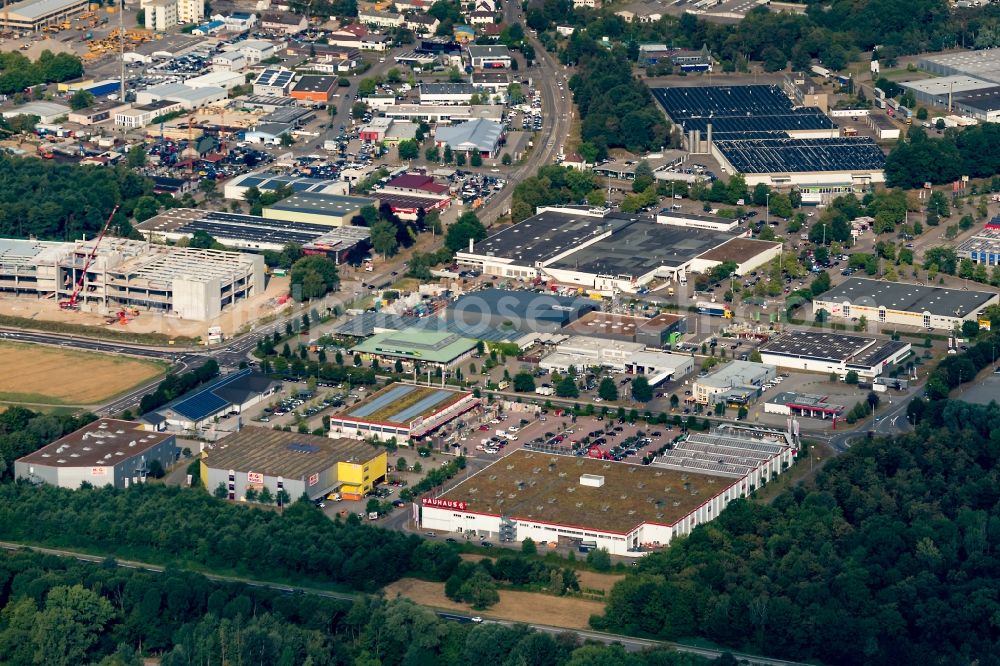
<point x="169" y="525"/>
<point x="61" y="612"/>
<point x="973" y="152"/>
<point x="63" y="202"/>
<point x="892" y="556"/>
<point x="617" y="110"/>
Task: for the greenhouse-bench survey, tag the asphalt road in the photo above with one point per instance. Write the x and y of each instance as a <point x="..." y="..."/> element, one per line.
<point x="108" y="347"/>
<point x="629" y="643"/>
<point x="556" y="114"/>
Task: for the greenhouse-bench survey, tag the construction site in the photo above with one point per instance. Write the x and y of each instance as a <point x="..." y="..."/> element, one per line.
<point x="119" y="281"/>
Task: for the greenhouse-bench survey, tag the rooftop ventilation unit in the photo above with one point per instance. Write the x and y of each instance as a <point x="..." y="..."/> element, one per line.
<point x="592" y="480"/>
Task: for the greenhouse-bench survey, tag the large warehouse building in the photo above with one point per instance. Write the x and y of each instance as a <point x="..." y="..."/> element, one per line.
<point x="652" y="332"/>
<point x="415" y="345"/>
<point x="606" y="253"/>
<point x="522" y="310"/>
<point x="628" y="260"/>
<point x="261" y="458"/>
<point x="837" y="353"/>
<point x="191" y="283"/>
<point x="519" y="251"/>
<point x="627" y="509"/>
<point x="106" y="452"/>
<point x="313" y="208"/>
<point x="256" y="234"/>
<point x="755" y="131"/>
<point x="899" y="303"/>
<point x="34" y="15"/>
<point x="404" y="412"/>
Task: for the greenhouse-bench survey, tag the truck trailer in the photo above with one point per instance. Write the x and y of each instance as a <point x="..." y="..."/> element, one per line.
<point x="714" y="309"/>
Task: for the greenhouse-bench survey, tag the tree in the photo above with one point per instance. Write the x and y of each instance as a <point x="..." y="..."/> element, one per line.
<point x="265" y="496"/>
<point x="600" y="559"/>
<point x="462" y="230"/>
<point x="479" y="590"/>
<point x="156" y="470"/>
<point x="313" y="276"/>
<point x="873" y="400"/>
<point x="607" y="389"/>
<point x="528" y="547"/>
<point x="937" y="203"/>
<point x="432" y="154"/>
<point x="408" y="149"/>
<point x="970" y="329"/>
<point x="202" y="240"/>
<point x="566" y="388"/>
<point x="221" y="492"/>
<point x="644" y="177"/>
<point x="358" y="110"/>
<point x="476" y="160"/>
<point x="383" y="238"/>
<point x="136" y="157"/>
<point x="524" y="382"/>
<point x="70" y="625"/>
<point x="81" y="99"/>
<point x="851" y="377"/>
<point x="641" y="390"/>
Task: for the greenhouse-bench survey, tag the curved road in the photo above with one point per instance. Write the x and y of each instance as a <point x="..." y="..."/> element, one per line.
<point x="629" y="643"/>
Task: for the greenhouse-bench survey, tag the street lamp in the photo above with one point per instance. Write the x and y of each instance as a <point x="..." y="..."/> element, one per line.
<point x="767" y="208"/>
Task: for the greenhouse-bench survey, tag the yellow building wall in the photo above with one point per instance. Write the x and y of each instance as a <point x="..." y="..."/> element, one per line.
<point x="310" y="218"/>
<point x="363" y="475"/>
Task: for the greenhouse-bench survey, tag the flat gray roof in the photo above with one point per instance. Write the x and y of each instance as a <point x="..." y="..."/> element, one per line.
<point x="521" y="307"/>
<point x="447" y="88"/>
<point x="736" y="373"/>
<point x="328" y="204"/>
<point x="938" y="301"/>
<point x="641" y="247"/>
<point x="546" y="235"/>
<point x="33" y="9"/>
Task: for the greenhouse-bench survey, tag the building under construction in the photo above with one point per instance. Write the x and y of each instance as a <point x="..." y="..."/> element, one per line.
<point x="33" y="15"/>
<point x="125" y="274"/>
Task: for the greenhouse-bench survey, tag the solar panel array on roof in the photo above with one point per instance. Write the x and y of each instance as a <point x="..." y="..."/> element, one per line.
<point x="772" y="125"/>
<point x="803" y="155"/>
<point x="204" y="403"/>
<point x="737" y="108"/>
<point x="274" y="77"/>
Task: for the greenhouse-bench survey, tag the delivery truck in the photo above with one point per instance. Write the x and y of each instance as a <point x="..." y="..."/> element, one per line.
<point x="714" y="309"/>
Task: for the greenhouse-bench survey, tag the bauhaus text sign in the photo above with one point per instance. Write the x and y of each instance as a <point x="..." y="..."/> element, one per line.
<point x="444" y="504"/>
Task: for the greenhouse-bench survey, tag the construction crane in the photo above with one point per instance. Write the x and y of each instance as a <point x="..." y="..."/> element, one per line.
<point x="72" y="304"/>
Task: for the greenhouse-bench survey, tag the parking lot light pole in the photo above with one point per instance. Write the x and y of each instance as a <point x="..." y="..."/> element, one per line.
<point x="767" y="208"/>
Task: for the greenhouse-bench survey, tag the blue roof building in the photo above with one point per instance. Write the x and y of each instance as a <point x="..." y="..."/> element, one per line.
<point x="228" y="395"/>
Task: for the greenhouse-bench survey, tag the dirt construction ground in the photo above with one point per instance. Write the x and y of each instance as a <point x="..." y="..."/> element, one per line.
<point x="529" y="607"/>
<point x="50" y="376"/>
<point x="232" y="319"/>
